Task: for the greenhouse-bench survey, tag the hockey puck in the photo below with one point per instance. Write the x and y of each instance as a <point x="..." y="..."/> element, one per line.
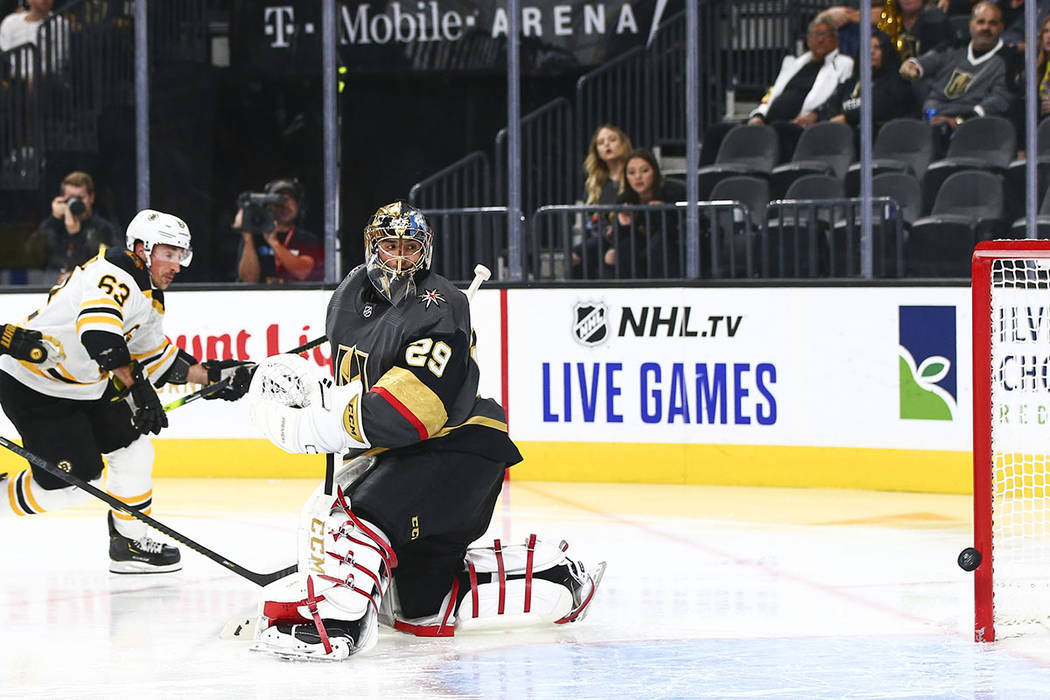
<point x="969" y="559"/>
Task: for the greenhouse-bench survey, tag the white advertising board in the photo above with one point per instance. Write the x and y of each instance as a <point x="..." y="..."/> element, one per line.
<point x="755" y="366"/>
<point x="249" y="325"/>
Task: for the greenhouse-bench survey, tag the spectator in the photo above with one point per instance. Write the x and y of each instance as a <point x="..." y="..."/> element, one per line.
<point x="283" y="251"/>
<point x="645" y="244"/>
<point x="606" y="156"/>
<point x="924" y="27"/>
<point x="604" y="163"/>
<point x="892" y="95"/>
<point x="1042" y="68"/>
<point x="1013" y="20"/>
<point x="20" y="27"/>
<point x="74" y="233"/>
<point x="969" y="81"/>
<point x="804" y="83"/>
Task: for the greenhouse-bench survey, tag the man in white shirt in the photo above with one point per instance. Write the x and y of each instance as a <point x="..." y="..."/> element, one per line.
<point x="804" y="83"/>
<point x="21" y="27"/>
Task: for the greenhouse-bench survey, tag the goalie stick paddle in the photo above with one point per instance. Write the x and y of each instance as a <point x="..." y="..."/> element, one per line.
<point x="116" y="504"/>
<point x="219" y="386"/>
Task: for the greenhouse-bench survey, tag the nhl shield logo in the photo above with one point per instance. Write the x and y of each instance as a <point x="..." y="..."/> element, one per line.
<point x="590" y="326"/>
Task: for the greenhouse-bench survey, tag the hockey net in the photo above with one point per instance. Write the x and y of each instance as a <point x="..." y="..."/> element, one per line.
<point x="1011" y="437"/>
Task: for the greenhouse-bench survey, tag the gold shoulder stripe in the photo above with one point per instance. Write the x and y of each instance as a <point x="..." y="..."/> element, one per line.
<point x="474" y="420"/>
<point x="416" y="396"/>
<point x="103" y="320"/>
<point x="100" y="301"/>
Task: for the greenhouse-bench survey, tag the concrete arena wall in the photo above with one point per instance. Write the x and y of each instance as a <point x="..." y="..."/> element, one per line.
<point x="852" y="387"/>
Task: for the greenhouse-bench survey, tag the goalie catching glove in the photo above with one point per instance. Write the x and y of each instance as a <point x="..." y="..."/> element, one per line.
<point x="301" y="411"/>
<point x="29" y="345"/>
<point x="235" y="376"/>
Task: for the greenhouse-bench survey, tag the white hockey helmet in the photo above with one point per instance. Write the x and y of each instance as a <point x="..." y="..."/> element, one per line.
<point x="153" y="227"/>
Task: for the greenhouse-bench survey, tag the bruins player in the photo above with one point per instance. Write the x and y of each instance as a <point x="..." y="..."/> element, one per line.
<point x="406" y="393"/>
<point x="105" y="321"/>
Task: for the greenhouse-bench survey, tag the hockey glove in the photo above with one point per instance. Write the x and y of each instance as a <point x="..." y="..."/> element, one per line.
<point x="147" y="413"/>
<point x="301" y="412"/>
<point x="236" y="375"/>
<point x="30" y="346"/>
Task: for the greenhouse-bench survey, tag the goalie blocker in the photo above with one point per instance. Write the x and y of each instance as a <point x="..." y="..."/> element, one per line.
<point x="347" y="585"/>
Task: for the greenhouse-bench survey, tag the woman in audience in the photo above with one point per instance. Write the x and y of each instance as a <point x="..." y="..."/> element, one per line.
<point x="606" y="156"/>
<point x="1042" y="68"/>
<point x="892" y="96"/>
<point x="646" y="244"/>
<point x="604" y="163"/>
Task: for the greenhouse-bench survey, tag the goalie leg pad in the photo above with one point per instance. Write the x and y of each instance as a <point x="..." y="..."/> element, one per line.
<point x="510" y="586"/>
<point x="344" y="570"/>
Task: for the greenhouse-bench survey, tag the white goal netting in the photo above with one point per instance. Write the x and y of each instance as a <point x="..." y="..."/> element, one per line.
<point x="1020" y="439"/>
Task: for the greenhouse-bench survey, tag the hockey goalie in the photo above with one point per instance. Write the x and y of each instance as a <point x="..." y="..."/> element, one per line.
<point x="425" y="461"/>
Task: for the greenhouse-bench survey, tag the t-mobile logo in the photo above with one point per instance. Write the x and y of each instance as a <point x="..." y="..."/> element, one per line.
<point x="279" y="22"/>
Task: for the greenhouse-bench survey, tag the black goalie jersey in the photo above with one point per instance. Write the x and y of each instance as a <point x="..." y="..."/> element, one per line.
<point x="415" y="364"/>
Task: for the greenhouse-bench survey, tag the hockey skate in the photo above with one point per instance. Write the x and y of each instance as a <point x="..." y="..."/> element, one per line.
<point x="304" y="642"/>
<point x="141" y="556"/>
<point x="583" y="585"/>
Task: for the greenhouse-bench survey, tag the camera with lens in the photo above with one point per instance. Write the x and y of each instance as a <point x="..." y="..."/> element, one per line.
<point x="258" y="219"/>
<point x="76" y="206"/>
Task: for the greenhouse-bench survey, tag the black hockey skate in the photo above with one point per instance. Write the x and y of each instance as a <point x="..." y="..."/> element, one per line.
<point x="141" y="556"/>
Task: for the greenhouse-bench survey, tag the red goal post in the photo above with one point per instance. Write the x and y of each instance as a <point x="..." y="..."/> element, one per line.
<point x="1011" y="437"/>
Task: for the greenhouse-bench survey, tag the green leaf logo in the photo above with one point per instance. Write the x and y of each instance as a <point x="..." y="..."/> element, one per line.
<point x="920" y="396"/>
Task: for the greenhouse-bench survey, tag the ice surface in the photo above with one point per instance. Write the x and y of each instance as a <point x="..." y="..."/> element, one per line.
<point x="710" y="592"/>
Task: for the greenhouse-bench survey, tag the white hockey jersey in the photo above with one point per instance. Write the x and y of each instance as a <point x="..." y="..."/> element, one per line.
<point x="111" y="294"/>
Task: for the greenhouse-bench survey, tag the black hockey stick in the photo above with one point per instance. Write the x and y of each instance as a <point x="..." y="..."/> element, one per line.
<point x="117" y="504"/>
<point x="219" y="386"/>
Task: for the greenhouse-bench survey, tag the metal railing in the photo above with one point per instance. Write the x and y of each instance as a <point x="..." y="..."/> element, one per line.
<point x="574" y="241"/>
<point x="548" y="156"/>
<point x="821" y="238"/>
<point x="19" y="120"/>
<point x="53" y="93"/>
<point x="465" y="183"/>
<point x="468" y="236"/>
<point x="179" y="30"/>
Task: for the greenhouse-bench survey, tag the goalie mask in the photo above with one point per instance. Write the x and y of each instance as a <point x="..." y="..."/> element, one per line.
<point x="153" y="227"/>
<point x="398" y="243"/>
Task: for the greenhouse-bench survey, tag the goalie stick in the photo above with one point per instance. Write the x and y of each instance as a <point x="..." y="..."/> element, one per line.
<point x="219" y="386"/>
<point x="116" y="504"/>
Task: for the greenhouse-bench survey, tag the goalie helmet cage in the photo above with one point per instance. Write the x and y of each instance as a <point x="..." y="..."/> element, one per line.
<point x="1011" y="437"/>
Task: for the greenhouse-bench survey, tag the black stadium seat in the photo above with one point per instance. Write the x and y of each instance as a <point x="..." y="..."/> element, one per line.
<point x="902" y="145"/>
<point x="797" y="243"/>
<point x="748" y="149"/>
<point x="984" y="143"/>
<point x="968" y="208"/>
<point x="826" y="148"/>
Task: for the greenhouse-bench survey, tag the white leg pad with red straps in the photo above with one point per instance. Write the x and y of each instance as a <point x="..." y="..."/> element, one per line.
<point x="345" y="565"/>
<point x="505" y="590"/>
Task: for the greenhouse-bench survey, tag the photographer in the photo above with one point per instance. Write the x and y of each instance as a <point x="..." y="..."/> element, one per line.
<point x="274" y="248"/>
<point x="73" y="234"/>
